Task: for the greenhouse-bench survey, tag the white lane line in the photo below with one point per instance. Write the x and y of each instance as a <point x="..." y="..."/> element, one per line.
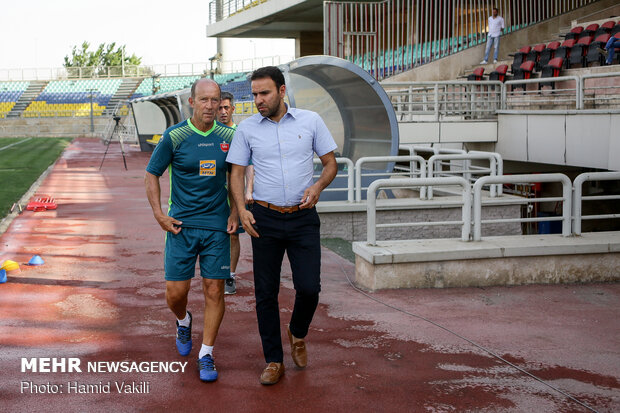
<point x="13" y="144"/>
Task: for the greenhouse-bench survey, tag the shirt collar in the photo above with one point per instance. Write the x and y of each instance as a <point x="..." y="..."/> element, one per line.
<point x="289" y="112"/>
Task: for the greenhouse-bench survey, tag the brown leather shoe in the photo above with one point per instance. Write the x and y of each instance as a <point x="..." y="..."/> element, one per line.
<point x="272" y="373"/>
<point x="298" y="351"/>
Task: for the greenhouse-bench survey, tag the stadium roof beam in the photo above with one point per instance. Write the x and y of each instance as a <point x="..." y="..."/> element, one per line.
<point x="279" y="19"/>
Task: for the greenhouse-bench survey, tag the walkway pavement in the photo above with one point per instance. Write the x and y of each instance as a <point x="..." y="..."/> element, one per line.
<point x="99" y="297"/>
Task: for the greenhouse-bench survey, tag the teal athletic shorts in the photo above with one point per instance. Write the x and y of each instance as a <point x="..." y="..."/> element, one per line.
<point x="182" y="249"/>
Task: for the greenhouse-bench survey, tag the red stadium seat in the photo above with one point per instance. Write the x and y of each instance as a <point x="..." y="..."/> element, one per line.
<point x="605" y="28"/>
<point x="477" y="74"/>
<point x="594" y="54"/>
<point x="548" y="54"/>
<point x="552" y="69"/>
<point x="564" y="49"/>
<point x="574" y="33"/>
<point x="499" y="73"/>
<point x="534" y="54"/>
<point x="590" y="30"/>
<point x="523" y="72"/>
<point x="519" y="57"/>
<point x="579" y="51"/>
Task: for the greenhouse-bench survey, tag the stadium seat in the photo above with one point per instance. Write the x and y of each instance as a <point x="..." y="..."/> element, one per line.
<point x="605" y="28"/>
<point x="574" y="33"/>
<point x="615" y="30"/>
<point x="579" y="50"/>
<point x="523" y="72"/>
<point x="564" y="50"/>
<point x="477" y="74"/>
<point x="548" y="53"/>
<point x="552" y="69"/>
<point x="519" y="57"/>
<point x="499" y="73"/>
<point x="589" y="31"/>
<point x="534" y="54"/>
<point x="594" y="54"/>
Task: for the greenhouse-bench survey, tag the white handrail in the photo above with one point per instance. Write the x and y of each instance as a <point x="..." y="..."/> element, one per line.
<point x="350" y="176"/>
<point x="376" y="159"/>
<point x="490" y="156"/>
<point x="515" y="179"/>
<point x="371" y="208"/>
<point x="578" y="198"/>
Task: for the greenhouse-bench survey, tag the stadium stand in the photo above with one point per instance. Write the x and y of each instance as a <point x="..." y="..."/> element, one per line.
<point x="10" y="92"/>
<point x="168" y="84"/>
<point x="72" y="98"/>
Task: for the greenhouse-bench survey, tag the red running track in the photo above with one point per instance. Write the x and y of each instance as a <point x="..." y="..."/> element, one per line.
<point x="100" y="297"/>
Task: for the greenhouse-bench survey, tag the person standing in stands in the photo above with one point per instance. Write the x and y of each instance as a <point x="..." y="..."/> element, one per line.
<point x="496" y="24"/>
<point x="199" y="219"/>
<point x="282" y="141"/>
<point x="225" y="117"/>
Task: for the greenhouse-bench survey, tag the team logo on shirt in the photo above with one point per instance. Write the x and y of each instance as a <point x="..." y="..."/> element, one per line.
<point x="224" y="146"/>
<point x="207" y="168"/>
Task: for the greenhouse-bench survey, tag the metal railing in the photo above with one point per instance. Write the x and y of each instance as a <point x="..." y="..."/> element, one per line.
<point x="349" y="174"/>
<point x="519" y="97"/>
<point x="371" y="218"/>
<point x="222" y="9"/>
<point x="566" y="199"/>
<point x="605" y="95"/>
<point x="467" y="170"/>
<point x="413" y="171"/>
<point x="461" y="99"/>
<point x="390" y="37"/>
<point x="578" y="197"/>
<point x="168" y="69"/>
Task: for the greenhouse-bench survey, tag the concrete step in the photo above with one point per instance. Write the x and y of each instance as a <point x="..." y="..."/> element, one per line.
<point x="34" y="89"/>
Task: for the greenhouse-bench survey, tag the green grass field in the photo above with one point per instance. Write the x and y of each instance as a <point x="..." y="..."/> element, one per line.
<point x="22" y="161"/>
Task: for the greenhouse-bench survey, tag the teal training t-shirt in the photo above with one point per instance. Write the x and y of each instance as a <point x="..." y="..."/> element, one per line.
<point x="196" y="163"/>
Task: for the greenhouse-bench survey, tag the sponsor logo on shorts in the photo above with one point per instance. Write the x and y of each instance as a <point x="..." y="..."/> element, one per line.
<point x="224" y="146"/>
<point x="225" y="267"/>
<point x="207" y="168"/>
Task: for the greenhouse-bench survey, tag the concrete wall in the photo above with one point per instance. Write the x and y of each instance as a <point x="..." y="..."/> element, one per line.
<point x="577" y="139"/>
<point x="553" y="269"/>
<point x="503" y="260"/>
<point x="352" y="225"/>
<point x="452" y="66"/>
<point x="49" y="127"/>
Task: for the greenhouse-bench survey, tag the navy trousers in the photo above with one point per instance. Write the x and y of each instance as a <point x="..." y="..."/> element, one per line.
<point x="297" y="234"/>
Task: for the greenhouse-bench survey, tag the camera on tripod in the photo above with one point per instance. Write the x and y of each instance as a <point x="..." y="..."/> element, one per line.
<point x="116" y="118"/>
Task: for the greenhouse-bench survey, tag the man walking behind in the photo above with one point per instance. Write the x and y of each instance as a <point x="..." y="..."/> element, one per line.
<point x="496" y="24"/>
<point x="282" y="141"/>
<point x="225" y="117"/>
<point x="199" y="218"/>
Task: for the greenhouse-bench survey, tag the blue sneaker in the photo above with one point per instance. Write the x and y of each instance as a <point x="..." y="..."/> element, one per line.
<point x="184" y="337"/>
<point x="206" y="368"/>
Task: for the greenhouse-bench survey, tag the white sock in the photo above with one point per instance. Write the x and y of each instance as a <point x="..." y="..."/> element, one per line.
<point x="204" y="350"/>
<point x="185" y="321"/>
<point x="232" y="274"/>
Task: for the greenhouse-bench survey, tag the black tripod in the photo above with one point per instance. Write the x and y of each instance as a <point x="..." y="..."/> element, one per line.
<point x="118" y="130"/>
